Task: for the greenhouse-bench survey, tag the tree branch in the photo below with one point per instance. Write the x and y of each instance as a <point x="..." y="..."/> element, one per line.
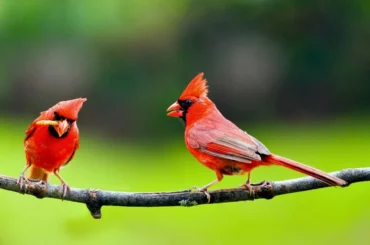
<point x="95" y="199"/>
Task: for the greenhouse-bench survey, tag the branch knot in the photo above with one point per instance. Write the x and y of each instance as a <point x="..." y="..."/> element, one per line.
<point x="93" y="204"/>
<point x="36" y="188"/>
<point x="265" y="190"/>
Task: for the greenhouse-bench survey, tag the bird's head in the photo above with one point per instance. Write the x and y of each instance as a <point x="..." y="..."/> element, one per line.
<point x="193" y="102"/>
<point x="63" y="115"/>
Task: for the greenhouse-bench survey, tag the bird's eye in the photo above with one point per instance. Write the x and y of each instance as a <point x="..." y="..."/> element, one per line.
<point x="186" y="104"/>
<point x="56" y="116"/>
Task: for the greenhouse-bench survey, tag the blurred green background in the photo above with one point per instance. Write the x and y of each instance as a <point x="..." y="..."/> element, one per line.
<point x="294" y="74"/>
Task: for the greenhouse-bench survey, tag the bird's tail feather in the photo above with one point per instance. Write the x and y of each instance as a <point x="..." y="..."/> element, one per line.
<point x="38" y="174"/>
<point x="316" y="173"/>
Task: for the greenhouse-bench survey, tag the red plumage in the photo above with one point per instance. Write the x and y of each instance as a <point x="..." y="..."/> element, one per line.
<point x="220" y="145"/>
<point x="52" y="140"/>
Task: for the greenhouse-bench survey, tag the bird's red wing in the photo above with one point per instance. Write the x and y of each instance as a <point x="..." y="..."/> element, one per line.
<point x="33" y="126"/>
<point x="77" y="145"/>
<point x="226" y="142"/>
<point x="31" y="129"/>
<point x="72" y="155"/>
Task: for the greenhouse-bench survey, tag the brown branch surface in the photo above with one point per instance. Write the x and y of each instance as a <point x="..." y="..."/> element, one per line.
<point x="95" y="199"/>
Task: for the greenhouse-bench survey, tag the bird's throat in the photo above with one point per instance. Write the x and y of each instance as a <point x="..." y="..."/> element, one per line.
<point x="55" y="134"/>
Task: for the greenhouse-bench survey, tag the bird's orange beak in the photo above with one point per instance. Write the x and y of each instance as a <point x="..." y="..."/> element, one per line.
<point x="62" y="127"/>
<point x="175" y="110"/>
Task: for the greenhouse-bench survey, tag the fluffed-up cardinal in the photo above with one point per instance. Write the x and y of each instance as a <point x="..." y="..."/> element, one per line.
<point x="221" y="146"/>
<point x="51" y="142"/>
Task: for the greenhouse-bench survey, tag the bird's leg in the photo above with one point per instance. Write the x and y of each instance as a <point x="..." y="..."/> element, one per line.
<point x="22" y="181"/>
<point x="252" y="187"/>
<point x="64" y="185"/>
<point x="248" y="185"/>
<point x="205" y="188"/>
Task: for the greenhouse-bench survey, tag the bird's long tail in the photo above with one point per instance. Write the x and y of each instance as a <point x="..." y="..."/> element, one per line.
<point x="38" y="174"/>
<point x="318" y="174"/>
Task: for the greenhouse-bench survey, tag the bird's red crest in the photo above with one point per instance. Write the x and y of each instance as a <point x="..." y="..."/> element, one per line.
<point x="197" y="87"/>
<point x="69" y="108"/>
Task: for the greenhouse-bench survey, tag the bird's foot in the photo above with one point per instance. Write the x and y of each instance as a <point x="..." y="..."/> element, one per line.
<point x="205" y="191"/>
<point x="252" y="188"/>
<point x="65" y="188"/>
<point x="23" y="183"/>
<point x="262" y="183"/>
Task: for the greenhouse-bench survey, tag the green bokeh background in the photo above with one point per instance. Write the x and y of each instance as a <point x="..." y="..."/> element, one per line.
<point x="293" y="74"/>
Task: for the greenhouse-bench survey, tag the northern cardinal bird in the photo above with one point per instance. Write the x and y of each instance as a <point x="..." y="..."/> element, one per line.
<point x="51" y="141"/>
<point x="221" y="146"/>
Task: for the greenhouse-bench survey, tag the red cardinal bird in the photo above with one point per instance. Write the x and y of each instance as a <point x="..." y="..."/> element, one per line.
<point x="51" y="141"/>
<point x="221" y="146"/>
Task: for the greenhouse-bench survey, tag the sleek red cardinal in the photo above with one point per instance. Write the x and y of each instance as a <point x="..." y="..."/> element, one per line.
<point x="221" y="146"/>
<point x="51" y="141"/>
